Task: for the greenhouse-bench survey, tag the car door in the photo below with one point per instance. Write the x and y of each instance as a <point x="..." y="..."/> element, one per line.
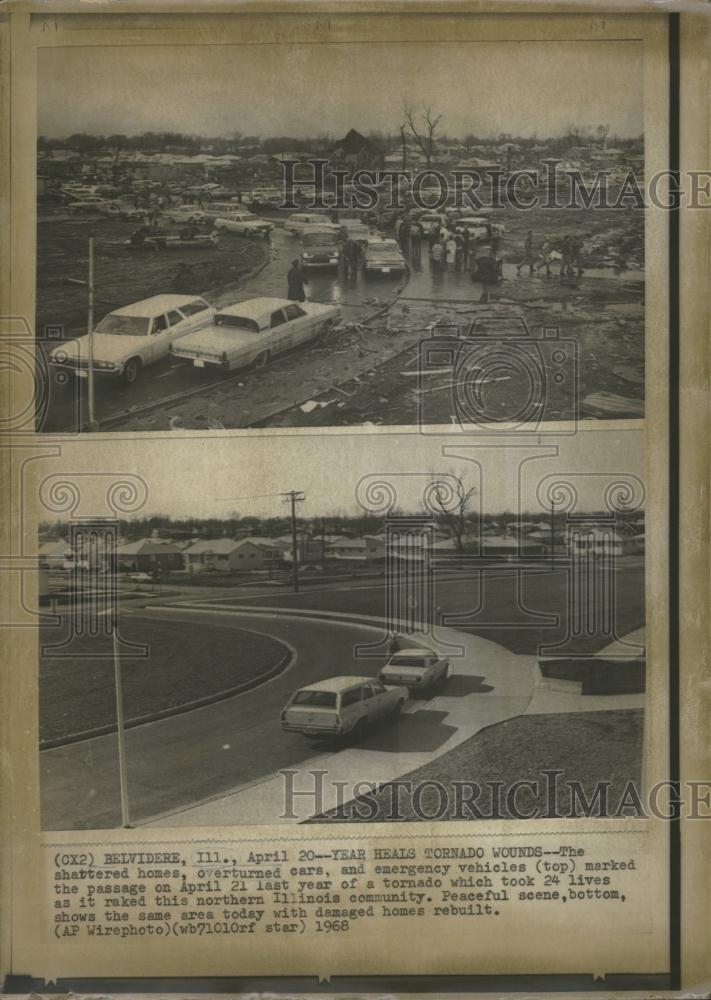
<point x="158" y="342"/>
<point x="195" y="315"/>
<point x="381" y="699"/>
<point x="279" y="332"/>
<point x="302" y="327"/>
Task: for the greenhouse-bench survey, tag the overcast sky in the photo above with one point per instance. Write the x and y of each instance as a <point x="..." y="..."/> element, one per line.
<point x="520" y="88"/>
<point x="216" y="476"/>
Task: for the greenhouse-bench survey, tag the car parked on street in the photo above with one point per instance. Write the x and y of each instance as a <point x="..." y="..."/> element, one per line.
<point x="187" y="213"/>
<point x="480" y="227"/>
<point x="253" y="332"/>
<point x="244" y="223"/>
<point x="319" y="247"/>
<point x="341" y="706"/>
<point x="417" y="669"/>
<point x="136" y="335"/>
<point x="430" y="219"/>
<point x="384" y="256"/>
<point x="297" y="223"/>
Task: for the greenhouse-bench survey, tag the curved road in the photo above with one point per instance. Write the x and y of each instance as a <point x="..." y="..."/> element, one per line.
<point x="216" y="765"/>
<point x="186" y="758"/>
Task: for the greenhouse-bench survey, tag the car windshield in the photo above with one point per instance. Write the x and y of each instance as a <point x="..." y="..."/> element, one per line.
<point x="238" y="322"/>
<point x="320" y="239"/>
<point x="124" y="326"/>
<point x="409" y="661"/>
<point x="316" y="699"/>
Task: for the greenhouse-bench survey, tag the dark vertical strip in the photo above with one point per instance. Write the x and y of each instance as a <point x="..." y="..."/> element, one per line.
<point x="674" y="826"/>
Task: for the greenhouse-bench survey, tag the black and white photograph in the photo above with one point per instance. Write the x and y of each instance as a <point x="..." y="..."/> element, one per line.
<point x="272" y="237"/>
<point x="267" y="646"/>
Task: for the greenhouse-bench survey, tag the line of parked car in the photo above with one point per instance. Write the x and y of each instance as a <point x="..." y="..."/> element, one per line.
<point x="346" y="706"/>
<point x="135" y="336"/>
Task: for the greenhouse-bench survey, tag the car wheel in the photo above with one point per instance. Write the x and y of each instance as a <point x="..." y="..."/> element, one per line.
<point x="262" y="360"/>
<point x="326" y="332"/>
<point x="131" y="370"/>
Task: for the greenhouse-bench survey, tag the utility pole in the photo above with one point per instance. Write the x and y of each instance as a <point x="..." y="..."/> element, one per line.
<point x="293" y="497"/>
<point x="90" y="341"/>
<point x="323" y="541"/>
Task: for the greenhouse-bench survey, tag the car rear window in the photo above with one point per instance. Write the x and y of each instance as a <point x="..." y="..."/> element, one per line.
<point x="239" y="322"/>
<point x="316" y="699"/>
<point x="191" y="308"/>
<point x="411" y="661"/>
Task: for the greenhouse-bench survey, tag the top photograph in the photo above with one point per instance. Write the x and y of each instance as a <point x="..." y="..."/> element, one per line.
<point x="335" y="235"/>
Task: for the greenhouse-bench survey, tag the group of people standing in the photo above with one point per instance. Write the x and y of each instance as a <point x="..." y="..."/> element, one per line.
<point x="569" y="256"/>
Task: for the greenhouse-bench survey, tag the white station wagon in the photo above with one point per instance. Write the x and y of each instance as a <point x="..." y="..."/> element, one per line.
<point x="134" y="336"/>
<point x="252" y="332"/>
<point x="417" y="669"/>
<point x="340" y="706"/>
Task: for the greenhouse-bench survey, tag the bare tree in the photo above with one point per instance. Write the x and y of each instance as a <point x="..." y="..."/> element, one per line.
<point x="602" y="133"/>
<point x="451" y="498"/>
<point x="423" y="134"/>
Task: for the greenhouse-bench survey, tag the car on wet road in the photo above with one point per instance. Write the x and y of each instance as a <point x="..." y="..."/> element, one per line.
<point x="128" y="339"/>
<point x="320" y="247"/>
<point x="383" y="256"/>
<point x="243" y="222"/>
<point x="297" y="223"/>
<point x="252" y="332"/>
<point x="341" y="706"/>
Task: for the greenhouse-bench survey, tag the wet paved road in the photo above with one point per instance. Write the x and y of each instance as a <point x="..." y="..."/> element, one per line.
<point x="68" y="407"/>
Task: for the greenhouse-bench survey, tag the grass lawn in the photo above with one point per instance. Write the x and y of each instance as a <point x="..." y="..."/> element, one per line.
<point x="185" y="662"/>
<point x="586" y="747"/>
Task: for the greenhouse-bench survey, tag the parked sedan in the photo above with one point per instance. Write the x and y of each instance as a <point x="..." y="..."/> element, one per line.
<point x="418" y="669"/>
<point x="341" y="706"/>
<point x="384" y="256"/>
<point x="254" y="331"/>
<point x="244" y="223"/>
<point x="134" y="336"/>
<point x="187" y="213"/>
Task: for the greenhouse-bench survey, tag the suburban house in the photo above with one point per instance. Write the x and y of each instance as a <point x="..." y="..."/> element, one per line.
<point x="52" y="554"/>
<point x="148" y="556"/>
<point x="225" y="554"/>
<point x="598" y="541"/>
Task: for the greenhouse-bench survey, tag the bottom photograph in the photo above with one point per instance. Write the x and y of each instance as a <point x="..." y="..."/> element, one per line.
<point x="237" y="636"/>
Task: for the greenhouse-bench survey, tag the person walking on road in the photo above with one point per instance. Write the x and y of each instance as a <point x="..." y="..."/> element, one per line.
<point x="296" y="279"/>
<point x="416" y="240"/>
<point x="437" y="256"/>
<point x="528" y="254"/>
<point x="451" y="251"/>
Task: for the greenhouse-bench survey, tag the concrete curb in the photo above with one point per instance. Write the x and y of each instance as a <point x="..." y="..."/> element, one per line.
<point x="88" y="734"/>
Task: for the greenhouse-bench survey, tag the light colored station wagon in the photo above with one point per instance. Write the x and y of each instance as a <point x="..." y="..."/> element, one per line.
<point x="129" y="338"/>
<point x="340" y="706"/>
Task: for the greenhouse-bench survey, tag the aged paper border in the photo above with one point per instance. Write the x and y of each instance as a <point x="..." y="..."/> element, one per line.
<point x="694" y="368"/>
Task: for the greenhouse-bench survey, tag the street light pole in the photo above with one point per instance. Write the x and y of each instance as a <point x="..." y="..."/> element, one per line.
<point x="294" y="497"/>
<point x="90" y="341"/>
<point x="125" y="816"/>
